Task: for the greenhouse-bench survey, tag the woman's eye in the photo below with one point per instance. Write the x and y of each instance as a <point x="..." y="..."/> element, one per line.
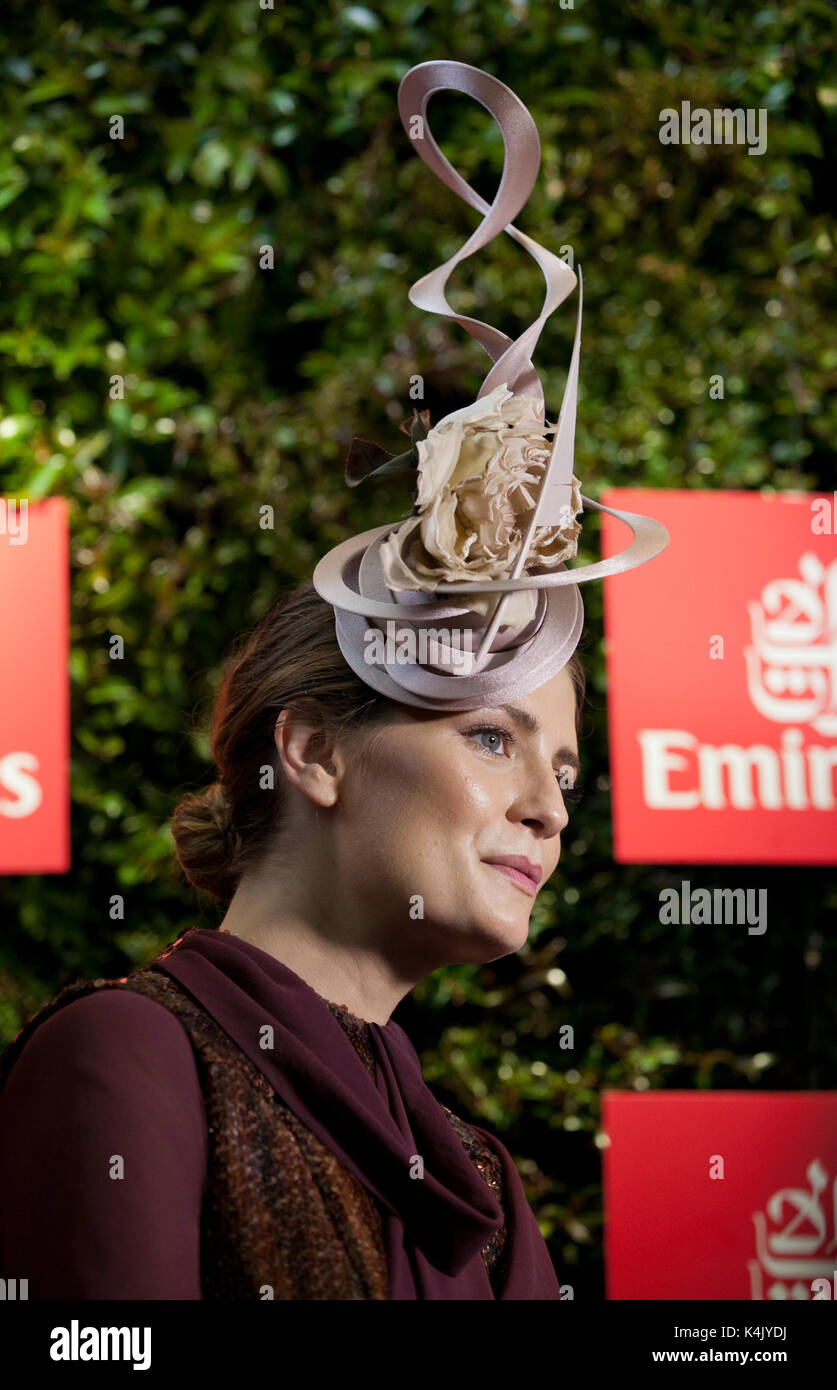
<point x="495" y="739"/>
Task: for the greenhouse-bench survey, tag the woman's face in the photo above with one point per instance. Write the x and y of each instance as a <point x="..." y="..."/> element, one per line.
<point x="431" y="804"/>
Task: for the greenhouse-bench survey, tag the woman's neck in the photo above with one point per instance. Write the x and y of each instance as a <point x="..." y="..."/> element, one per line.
<point x="329" y="954"/>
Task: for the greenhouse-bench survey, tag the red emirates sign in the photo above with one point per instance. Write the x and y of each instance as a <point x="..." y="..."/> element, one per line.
<point x="722" y="680"/>
<point x="727" y="1195"/>
<point x="34" y="703"/>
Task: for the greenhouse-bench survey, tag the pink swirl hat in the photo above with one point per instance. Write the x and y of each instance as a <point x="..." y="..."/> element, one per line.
<point x="428" y="646"/>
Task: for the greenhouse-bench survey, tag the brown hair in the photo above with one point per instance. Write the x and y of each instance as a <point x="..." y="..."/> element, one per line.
<point x="290" y="657"/>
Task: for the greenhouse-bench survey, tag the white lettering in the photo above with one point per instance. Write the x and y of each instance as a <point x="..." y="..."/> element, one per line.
<point x="75" y="1343"/>
<point x="790" y="778"/>
<point x="658" y="761"/>
<point x="15" y="769"/>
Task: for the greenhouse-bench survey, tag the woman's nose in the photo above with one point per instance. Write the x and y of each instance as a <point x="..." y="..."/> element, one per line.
<point x="541" y="806"/>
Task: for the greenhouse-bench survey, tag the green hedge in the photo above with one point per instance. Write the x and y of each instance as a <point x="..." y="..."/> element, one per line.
<point x="140" y="257"/>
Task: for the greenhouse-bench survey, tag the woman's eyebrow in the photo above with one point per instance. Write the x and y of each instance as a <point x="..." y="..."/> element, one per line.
<point x="528" y="722"/>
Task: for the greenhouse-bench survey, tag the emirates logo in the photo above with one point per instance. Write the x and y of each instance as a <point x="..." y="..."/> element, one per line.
<point x="792" y="660"/>
<point x="796" y="1237"/>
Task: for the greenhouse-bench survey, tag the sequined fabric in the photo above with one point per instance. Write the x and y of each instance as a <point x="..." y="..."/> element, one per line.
<point x="281" y="1217"/>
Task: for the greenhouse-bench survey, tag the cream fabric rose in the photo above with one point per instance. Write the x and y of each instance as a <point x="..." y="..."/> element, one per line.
<point x="479" y="470"/>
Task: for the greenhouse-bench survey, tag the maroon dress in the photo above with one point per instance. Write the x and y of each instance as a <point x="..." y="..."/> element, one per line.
<point x="126" y="1170"/>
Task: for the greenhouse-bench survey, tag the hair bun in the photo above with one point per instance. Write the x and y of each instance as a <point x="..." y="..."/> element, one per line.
<point x="206" y="843"/>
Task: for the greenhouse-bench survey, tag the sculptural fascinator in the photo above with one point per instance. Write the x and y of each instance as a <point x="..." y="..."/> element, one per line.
<point x="468" y="601"/>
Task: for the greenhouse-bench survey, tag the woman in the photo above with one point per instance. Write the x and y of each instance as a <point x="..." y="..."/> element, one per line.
<point x="374" y="864"/>
<point x="242" y="1118"/>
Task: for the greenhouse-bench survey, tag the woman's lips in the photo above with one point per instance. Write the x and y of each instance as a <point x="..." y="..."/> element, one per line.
<point x="523" y="880"/>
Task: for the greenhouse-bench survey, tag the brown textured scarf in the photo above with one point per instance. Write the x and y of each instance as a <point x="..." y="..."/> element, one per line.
<point x="436" y="1224"/>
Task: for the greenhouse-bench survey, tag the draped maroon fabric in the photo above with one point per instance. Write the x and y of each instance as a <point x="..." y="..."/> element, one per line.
<point x="434" y="1226"/>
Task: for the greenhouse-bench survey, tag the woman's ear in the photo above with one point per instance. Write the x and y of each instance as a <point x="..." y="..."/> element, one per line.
<point x="307" y="754"/>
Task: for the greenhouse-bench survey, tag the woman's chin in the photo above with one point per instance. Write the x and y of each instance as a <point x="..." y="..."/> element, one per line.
<point x="478" y="930"/>
<point x="491" y="936"/>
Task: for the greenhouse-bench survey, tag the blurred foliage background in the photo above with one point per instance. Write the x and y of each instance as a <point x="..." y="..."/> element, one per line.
<point x="246" y="127"/>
